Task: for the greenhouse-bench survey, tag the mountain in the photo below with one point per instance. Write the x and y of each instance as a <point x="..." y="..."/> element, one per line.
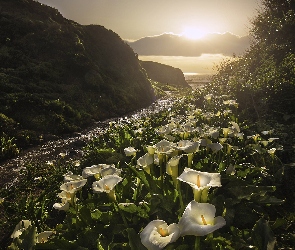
<point x="57" y="76"/>
<point x="164" y="74"/>
<point x="175" y="45"/>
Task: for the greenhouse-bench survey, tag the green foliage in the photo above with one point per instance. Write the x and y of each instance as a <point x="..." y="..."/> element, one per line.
<point x="250" y="198"/>
<point x="8" y="147"/>
<point x="57" y="76"/>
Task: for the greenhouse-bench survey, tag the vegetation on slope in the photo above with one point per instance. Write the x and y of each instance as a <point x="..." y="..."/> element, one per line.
<point x="164" y="73"/>
<point x="57" y="76"/>
<point x="263" y="80"/>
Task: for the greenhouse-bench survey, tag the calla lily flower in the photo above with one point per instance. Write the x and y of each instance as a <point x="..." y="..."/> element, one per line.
<point x="199" y="219"/>
<point x="146" y="161"/>
<point x="200" y="180"/>
<point x="93" y="170"/>
<point x="151" y="149"/>
<point x="163" y="143"/>
<point x="73" y="186"/>
<point x="208" y="97"/>
<point x="43" y="237"/>
<point x="187" y="146"/>
<point x="64" y="205"/>
<point x="164" y="130"/>
<point x="172" y="166"/>
<point x="157" y="234"/>
<point x="66" y="196"/>
<point x="106" y="184"/>
<point x="231" y="102"/>
<point x="130" y="151"/>
<point x="110" y="170"/>
<point x="215" y="146"/>
<point x="69" y="176"/>
<point x="20" y="227"/>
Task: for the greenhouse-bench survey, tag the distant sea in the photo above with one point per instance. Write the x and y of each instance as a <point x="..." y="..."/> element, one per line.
<point x="197" y="80"/>
<point x="204" y="64"/>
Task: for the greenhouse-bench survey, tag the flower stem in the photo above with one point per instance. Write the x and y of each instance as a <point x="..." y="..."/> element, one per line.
<point x="120" y="212"/>
<point x="198" y="243"/>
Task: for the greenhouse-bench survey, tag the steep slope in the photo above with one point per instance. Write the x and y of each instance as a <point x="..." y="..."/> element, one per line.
<point x="164" y="73"/>
<point x="56" y="75"/>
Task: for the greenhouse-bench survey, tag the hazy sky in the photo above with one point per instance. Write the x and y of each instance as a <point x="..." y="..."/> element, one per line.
<point x="133" y="19"/>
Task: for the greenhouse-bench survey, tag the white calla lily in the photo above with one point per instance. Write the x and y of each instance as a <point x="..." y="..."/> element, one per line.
<point x="215" y="146"/>
<point x="199" y="219"/>
<point x="73" y="186"/>
<point x="93" y="170"/>
<point x="106" y="184"/>
<point x="43" y="236"/>
<point x="200" y="180"/>
<point x="157" y="234"/>
<point x="20" y="227"/>
<point x="69" y="176"/>
<point x="130" y="151"/>
<point x="64" y="205"/>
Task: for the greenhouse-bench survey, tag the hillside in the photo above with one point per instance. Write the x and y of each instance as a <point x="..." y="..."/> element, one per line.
<point x="57" y="76"/>
<point x="164" y="73"/>
<point x="174" y="45"/>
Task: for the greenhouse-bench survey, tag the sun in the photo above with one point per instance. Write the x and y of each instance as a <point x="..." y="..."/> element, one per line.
<point x="193" y="33"/>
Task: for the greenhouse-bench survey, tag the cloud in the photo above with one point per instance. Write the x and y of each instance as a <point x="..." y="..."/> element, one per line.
<point x="169" y="44"/>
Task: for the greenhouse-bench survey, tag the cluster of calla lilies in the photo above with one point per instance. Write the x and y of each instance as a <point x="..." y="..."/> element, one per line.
<point x="199" y="217"/>
<point x="180" y="138"/>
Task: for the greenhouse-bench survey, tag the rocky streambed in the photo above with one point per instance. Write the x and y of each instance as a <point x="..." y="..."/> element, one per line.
<point x="69" y="147"/>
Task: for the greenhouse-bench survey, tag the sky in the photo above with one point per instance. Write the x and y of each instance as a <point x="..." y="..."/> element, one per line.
<point x="134" y="19"/>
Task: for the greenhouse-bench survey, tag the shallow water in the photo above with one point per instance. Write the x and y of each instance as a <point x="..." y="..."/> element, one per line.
<point x="69" y="147"/>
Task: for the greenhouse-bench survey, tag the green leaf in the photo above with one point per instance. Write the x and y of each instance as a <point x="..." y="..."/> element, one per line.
<point x="262" y="235"/>
<point x="134" y="240"/>
<point x="140" y="175"/>
<point x="249" y="192"/>
<point x="130" y="208"/>
<point x="279" y="223"/>
<point x="28" y="238"/>
<point x="85" y="215"/>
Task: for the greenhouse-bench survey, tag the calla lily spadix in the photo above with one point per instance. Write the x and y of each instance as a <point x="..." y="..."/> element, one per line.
<point x="199" y="219"/>
<point x="157" y="234"/>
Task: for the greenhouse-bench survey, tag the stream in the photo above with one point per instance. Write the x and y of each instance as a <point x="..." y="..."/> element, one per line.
<point x="69" y="147"/>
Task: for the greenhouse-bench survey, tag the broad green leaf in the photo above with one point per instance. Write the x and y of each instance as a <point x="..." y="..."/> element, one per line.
<point x="262" y="235"/>
<point x="134" y="240"/>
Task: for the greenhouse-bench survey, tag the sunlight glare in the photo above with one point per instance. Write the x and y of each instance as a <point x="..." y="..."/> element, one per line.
<point x="193" y="33"/>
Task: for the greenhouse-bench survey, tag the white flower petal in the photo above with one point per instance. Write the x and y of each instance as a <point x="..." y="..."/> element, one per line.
<point x="198" y="219"/>
<point x="106" y="184"/>
<point x="157" y="234"/>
